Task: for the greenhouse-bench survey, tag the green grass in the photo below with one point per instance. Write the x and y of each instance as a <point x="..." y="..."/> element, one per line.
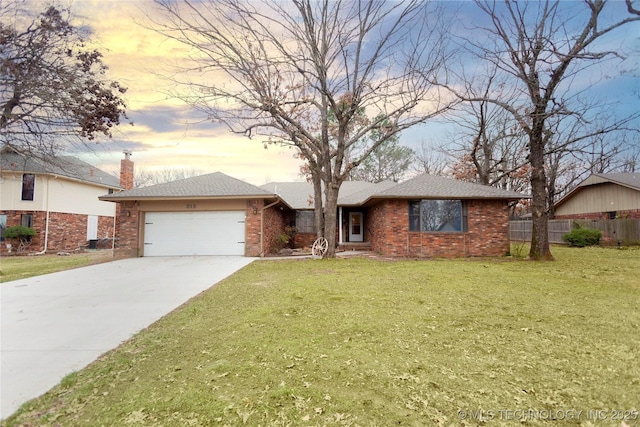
<point x="22" y="267"/>
<point x="376" y="343"/>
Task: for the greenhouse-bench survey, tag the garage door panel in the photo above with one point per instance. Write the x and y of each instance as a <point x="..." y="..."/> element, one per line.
<point x="194" y="233"/>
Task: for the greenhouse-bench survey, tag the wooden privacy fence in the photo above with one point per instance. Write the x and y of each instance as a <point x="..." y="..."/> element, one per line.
<point x="627" y="231"/>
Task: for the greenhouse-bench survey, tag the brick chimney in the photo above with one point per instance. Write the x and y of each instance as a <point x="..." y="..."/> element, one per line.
<point x="126" y="171"/>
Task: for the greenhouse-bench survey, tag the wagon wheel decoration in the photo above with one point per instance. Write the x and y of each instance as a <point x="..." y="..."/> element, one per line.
<point x="319" y="248"/>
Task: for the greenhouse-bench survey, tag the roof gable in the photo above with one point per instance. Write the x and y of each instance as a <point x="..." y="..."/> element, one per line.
<point x="214" y="184"/>
<point x="629" y="180"/>
<point x="297" y="195"/>
<point x="63" y="166"/>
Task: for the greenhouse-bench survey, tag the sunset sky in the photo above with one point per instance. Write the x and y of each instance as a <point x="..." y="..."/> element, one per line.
<point x="168" y="134"/>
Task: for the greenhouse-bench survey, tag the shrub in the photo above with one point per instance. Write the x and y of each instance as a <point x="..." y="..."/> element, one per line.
<point x="581" y="237"/>
<point x="19" y="232"/>
<point x="284" y="239"/>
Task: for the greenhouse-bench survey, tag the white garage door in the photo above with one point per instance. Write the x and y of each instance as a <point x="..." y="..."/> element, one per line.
<point x="194" y="233"/>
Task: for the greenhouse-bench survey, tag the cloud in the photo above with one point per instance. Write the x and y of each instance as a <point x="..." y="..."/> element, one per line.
<point x="169" y="134"/>
<point x="163" y="118"/>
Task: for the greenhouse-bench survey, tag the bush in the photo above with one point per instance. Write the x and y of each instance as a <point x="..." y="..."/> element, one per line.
<point x="581" y="237"/>
<point x="284" y="240"/>
<point x="19" y="232"/>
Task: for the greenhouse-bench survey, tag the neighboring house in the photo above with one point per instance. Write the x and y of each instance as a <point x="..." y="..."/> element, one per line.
<point x="58" y="198"/>
<point x="216" y="214"/>
<point x="602" y="196"/>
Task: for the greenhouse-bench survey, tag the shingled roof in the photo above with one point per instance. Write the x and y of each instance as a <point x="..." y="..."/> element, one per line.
<point x="631" y="180"/>
<point x="213" y="185"/>
<point x="299" y="195"/>
<point x="437" y="187"/>
<point x="63" y="166"/>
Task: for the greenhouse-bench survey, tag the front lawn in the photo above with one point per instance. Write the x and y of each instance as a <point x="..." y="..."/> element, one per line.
<point x="24" y="266"/>
<point x="378" y="343"/>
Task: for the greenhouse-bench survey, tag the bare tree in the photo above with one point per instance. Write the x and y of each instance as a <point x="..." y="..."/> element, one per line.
<point x="430" y="159"/>
<point x="542" y="47"/>
<point x="145" y="177"/>
<point x="489" y="148"/>
<point x="278" y="70"/>
<point x="629" y="160"/>
<point x="53" y="86"/>
<point x="574" y="151"/>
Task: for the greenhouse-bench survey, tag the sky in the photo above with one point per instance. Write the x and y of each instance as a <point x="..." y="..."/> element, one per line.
<point x="168" y="134"/>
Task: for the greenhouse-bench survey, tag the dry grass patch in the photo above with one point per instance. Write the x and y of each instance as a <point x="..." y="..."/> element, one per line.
<point x="371" y="343"/>
<point x="24" y="266"/>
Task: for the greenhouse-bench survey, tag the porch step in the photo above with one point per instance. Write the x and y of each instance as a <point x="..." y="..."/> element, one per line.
<point x="354" y="246"/>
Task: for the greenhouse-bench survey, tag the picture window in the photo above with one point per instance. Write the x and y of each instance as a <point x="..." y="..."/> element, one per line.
<point x="437" y="216"/>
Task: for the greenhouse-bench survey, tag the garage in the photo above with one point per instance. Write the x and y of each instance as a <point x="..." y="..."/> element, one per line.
<point x="194" y="233"/>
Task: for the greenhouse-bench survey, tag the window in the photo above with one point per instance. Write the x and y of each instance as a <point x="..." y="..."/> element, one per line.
<point x="3" y="226"/>
<point x="26" y="220"/>
<point x="437" y="216"/>
<point x="305" y="221"/>
<point x="28" y="184"/>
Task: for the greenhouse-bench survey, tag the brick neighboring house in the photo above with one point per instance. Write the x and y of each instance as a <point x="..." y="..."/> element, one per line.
<point x="58" y="198"/>
<point x="602" y="196"/>
<point x="215" y="214"/>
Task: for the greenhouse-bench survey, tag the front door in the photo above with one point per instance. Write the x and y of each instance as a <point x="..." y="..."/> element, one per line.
<point x="355" y="227"/>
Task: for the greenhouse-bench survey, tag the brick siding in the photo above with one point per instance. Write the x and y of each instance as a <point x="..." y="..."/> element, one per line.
<point x="127" y="229"/>
<point x="386" y="227"/>
<point x="126" y="174"/>
<point x="252" y="227"/>
<point x="67" y="232"/>
<point x="487" y="235"/>
<point x="488" y="222"/>
<point x="275" y="223"/>
<point x="304" y="240"/>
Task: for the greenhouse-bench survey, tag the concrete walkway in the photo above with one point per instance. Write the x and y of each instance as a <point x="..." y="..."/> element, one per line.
<point x="58" y="323"/>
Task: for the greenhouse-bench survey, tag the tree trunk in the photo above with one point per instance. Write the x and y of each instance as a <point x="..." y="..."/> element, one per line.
<point x="317" y="204"/>
<point x="330" y="219"/>
<point x="551" y="199"/>
<point x="540" y="234"/>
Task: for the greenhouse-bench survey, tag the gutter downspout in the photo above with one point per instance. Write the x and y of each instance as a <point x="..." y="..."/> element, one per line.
<point x="113" y="233"/>
<point x="46" y="227"/>
<point x="46" y="221"/>
<point x="262" y="226"/>
<point x="340" y="225"/>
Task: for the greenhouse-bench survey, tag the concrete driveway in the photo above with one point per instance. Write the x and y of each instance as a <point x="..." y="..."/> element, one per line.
<point x="58" y="323"/>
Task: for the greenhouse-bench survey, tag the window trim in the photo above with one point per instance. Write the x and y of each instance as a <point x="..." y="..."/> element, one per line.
<point x="28" y="188"/>
<point x="415" y="218"/>
<point x="26" y="220"/>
